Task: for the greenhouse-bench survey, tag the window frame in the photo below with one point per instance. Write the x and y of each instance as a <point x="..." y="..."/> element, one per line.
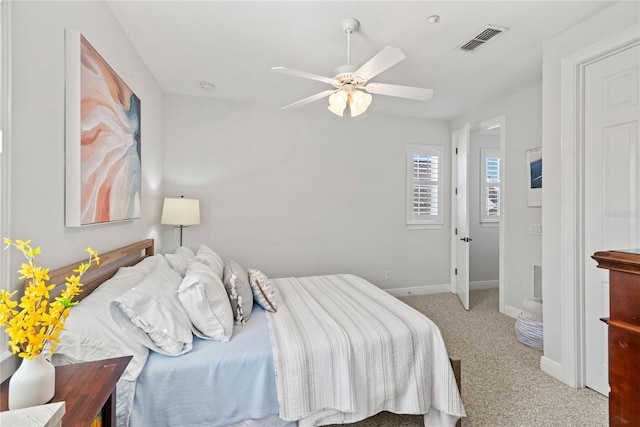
<point x="433" y="221"/>
<point x="486" y="153"/>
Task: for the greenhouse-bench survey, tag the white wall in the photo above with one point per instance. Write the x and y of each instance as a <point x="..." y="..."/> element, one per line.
<point x="616" y="19"/>
<point x="484" y="248"/>
<point x="303" y="192"/>
<point x="36" y="148"/>
<point x="522" y="250"/>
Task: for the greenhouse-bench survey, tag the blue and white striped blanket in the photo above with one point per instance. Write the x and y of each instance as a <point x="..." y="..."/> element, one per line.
<point x="345" y="350"/>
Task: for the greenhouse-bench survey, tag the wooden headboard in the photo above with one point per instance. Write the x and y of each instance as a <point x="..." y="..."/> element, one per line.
<point x="110" y="262"/>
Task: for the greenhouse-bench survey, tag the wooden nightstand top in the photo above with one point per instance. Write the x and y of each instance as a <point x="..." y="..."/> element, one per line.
<point x="84" y="387"/>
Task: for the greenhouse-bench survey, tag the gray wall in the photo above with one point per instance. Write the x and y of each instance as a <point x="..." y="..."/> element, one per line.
<point x="304" y="192"/>
<point x="35" y="155"/>
<point x="523" y="131"/>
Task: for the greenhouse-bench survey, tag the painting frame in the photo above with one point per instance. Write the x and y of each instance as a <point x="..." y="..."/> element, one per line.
<point x="103" y="162"/>
<point x="534" y="177"/>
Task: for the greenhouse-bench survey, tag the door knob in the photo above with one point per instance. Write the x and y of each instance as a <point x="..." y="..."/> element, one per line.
<point x="466" y="239"/>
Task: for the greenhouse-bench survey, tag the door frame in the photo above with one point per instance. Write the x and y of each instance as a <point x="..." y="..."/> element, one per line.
<point x="475" y="127"/>
<point x="572" y="266"/>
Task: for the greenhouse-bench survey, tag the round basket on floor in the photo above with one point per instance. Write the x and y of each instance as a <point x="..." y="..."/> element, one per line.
<point x="529" y="332"/>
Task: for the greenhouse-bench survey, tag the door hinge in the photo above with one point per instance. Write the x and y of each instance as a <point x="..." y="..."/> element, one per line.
<point x="456" y="271"/>
<point x="456" y="231"/>
<point x="456" y="191"/>
<point x="456" y="150"/>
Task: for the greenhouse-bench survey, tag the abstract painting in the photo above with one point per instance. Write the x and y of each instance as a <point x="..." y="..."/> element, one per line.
<point x="103" y="152"/>
<point x="534" y="177"/>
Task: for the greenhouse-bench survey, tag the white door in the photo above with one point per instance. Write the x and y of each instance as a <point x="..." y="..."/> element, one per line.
<point x="461" y="143"/>
<point x="611" y="187"/>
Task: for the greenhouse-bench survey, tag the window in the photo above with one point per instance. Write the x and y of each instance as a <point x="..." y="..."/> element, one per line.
<point x="424" y="186"/>
<point x="490" y="185"/>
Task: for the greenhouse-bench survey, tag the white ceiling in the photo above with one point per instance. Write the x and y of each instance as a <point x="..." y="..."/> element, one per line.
<point x="234" y="44"/>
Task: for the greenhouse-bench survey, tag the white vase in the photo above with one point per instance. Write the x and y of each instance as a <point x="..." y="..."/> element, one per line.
<point x="34" y="383"/>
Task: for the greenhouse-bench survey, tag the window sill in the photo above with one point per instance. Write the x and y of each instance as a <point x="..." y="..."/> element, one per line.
<point x="489" y="224"/>
<point x="424" y="226"/>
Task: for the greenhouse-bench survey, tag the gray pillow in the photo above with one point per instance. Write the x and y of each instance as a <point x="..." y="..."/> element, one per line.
<point x="236" y="282"/>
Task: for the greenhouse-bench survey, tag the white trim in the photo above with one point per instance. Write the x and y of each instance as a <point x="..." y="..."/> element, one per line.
<point x="512" y="311"/>
<point x="484" y="284"/>
<point x="552" y="368"/>
<point x="419" y="290"/>
<point x="571" y="194"/>
<point x="5" y="162"/>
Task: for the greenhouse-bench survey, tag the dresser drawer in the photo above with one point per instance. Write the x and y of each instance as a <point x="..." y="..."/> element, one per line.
<point x="624" y="375"/>
<point x="624" y="297"/>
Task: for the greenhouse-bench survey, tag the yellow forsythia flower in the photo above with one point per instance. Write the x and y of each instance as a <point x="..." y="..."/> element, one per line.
<point x="35" y="325"/>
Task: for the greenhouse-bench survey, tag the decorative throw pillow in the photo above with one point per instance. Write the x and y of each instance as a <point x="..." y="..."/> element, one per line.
<point x="205" y="300"/>
<point x="180" y="259"/>
<point x="207" y="256"/>
<point x="152" y="313"/>
<point x="236" y="282"/>
<point x="263" y="291"/>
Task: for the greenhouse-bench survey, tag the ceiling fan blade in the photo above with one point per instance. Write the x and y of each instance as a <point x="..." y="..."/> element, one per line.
<point x="385" y="59"/>
<point x="303" y="74"/>
<point x="419" y="93"/>
<point x="310" y="99"/>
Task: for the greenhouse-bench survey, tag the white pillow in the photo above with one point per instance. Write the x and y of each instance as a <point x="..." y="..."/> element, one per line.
<point x="205" y="300"/>
<point x="151" y="312"/>
<point x="180" y="259"/>
<point x="263" y="291"/>
<point x="236" y="282"/>
<point x="91" y="334"/>
<point x="207" y="256"/>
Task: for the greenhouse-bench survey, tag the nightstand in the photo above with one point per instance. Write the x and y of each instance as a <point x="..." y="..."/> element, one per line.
<point x="86" y="388"/>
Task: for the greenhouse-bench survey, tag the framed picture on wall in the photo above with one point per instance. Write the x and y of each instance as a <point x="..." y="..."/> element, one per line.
<point x="534" y="177"/>
<point x="102" y="139"/>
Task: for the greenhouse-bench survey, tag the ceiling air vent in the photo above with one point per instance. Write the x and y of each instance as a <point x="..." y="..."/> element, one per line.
<point x="483" y="36"/>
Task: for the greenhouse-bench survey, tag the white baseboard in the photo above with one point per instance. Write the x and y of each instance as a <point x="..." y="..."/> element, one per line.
<point x="552" y="368"/>
<point x="512" y="311"/>
<point x="419" y="290"/>
<point x="483" y="284"/>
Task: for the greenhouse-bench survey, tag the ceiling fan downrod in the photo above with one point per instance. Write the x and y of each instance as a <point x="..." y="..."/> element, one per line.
<point x="349" y="25"/>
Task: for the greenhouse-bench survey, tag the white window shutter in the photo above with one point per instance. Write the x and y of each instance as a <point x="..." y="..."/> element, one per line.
<point x="491" y="185"/>
<point x="424" y="182"/>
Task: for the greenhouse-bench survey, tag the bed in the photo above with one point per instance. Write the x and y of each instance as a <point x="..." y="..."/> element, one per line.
<point x="337" y="349"/>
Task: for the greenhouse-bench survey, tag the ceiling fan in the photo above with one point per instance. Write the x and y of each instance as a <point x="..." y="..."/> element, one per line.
<point x="351" y="83"/>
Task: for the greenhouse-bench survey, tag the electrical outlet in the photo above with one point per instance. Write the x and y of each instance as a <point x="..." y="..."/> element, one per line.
<point x="387" y="275"/>
<point x="535" y="229"/>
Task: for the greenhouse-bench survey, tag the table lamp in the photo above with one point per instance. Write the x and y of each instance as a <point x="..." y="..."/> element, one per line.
<point x="180" y="212"/>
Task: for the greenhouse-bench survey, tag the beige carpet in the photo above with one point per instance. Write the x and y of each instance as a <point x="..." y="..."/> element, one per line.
<point x="502" y="384"/>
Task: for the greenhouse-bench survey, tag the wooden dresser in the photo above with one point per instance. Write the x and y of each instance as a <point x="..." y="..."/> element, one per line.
<point x="624" y="334"/>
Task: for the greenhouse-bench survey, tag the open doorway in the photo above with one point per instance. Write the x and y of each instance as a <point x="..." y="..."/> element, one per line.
<point x="484" y="207"/>
<point x="477" y="256"/>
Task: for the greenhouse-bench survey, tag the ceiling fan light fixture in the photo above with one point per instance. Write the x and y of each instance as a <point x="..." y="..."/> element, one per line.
<point x="338" y="102"/>
<point x="359" y="102"/>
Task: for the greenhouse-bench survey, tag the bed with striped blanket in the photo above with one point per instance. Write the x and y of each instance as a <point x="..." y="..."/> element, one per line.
<point x="345" y="350"/>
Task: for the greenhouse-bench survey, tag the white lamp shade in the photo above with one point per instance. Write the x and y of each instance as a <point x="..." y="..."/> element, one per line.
<point x="338" y="102"/>
<point x="180" y="211"/>
<point x="359" y="102"/>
